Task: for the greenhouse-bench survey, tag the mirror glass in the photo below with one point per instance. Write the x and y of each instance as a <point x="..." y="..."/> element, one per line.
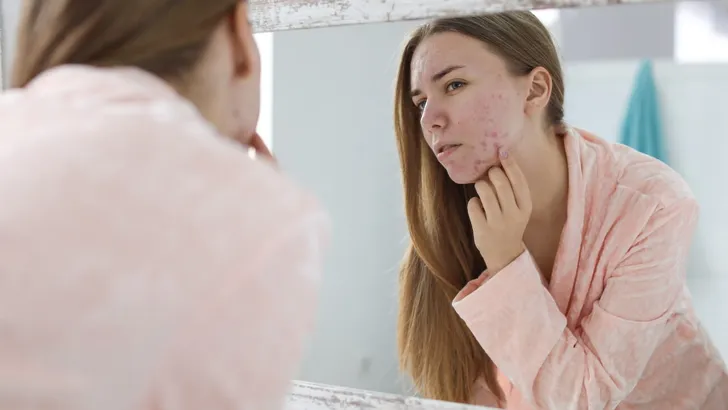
<point x="332" y="129"/>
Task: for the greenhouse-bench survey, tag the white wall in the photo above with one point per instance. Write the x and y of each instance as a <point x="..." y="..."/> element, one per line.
<point x="333" y="131"/>
<point x="645" y="30"/>
<point x="10" y="17"/>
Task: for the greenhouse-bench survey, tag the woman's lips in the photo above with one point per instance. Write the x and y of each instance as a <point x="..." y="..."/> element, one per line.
<point x="446" y="151"/>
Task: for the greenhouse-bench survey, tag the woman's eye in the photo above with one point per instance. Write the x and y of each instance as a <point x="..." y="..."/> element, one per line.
<point x="454" y="85"/>
<point x="421" y="105"/>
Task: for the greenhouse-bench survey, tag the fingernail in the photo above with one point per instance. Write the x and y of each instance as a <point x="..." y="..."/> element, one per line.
<point x="503" y="154"/>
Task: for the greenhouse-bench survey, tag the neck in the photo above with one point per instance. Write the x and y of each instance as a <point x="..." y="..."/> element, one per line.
<point x="200" y="87"/>
<point x="545" y="168"/>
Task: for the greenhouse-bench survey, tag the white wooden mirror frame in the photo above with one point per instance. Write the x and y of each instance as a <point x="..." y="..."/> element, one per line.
<point x="277" y="15"/>
<point x="313" y="396"/>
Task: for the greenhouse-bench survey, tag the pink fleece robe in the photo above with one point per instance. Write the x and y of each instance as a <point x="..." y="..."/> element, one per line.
<point x="146" y="262"/>
<point x="615" y="327"/>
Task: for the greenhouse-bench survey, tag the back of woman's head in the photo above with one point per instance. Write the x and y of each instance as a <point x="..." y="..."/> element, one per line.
<point x="164" y="37"/>
<point x="203" y="48"/>
<point x="435" y="347"/>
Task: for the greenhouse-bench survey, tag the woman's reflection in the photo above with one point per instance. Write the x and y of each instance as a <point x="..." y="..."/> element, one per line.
<point x="583" y="303"/>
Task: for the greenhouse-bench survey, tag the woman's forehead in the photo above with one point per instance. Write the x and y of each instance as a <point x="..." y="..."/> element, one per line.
<point x="444" y="50"/>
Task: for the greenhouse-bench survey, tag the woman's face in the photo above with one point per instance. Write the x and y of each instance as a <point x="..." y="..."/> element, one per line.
<point x="471" y="106"/>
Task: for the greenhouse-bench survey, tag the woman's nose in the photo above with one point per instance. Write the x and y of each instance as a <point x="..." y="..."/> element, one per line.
<point x="432" y="119"/>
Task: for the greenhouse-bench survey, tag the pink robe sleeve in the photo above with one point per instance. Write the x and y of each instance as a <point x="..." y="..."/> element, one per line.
<point x="517" y="321"/>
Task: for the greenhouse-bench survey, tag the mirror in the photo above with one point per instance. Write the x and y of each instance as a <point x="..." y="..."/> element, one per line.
<point x="332" y="99"/>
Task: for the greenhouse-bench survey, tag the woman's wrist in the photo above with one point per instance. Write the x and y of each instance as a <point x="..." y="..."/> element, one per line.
<point x="496" y="265"/>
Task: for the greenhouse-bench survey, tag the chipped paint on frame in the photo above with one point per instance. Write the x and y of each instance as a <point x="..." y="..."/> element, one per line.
<point x="313" y="396"/>
<point x="275" y="15"/>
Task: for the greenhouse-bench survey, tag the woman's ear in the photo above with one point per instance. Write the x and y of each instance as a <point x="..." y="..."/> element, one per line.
<point x="245" y="50"/>
<point x="539" y="92"/>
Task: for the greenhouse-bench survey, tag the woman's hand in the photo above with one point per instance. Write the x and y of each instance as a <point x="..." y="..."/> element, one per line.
<point x="500" y="213"/>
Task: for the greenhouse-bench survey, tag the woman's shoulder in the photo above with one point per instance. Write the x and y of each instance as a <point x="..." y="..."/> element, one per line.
<point x="652" y="177"/>
<point x="632" y="171"/>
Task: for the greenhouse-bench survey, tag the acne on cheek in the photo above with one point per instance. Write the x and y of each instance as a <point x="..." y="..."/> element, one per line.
<point x="478" y="167"/>
<point x="489" y="147"/>
<point x="490" y="111"/>
<point x="494" y="136"/>
<point x="488" y="144"/>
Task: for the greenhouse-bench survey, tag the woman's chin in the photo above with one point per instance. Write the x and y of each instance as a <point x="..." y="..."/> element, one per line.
<point x="463" y="178"/>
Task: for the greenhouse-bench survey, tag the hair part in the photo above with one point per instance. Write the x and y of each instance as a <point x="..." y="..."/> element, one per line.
<point x="435" y="346"/>
<point x="164" y="37"/>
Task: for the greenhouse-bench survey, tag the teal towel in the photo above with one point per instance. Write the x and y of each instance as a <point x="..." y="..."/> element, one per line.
<point x="642" y="128"/>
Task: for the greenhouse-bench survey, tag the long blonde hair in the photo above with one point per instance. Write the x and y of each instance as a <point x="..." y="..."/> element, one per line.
<point x="436" y="348"/>
<point x="164" y="37"/>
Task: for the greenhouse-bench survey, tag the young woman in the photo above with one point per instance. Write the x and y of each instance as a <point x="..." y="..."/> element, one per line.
<point x="583" y="304"/>
<point x="146" y="261"/>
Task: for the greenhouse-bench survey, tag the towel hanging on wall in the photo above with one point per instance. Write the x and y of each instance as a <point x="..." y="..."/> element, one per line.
<point x="642" y="127"/>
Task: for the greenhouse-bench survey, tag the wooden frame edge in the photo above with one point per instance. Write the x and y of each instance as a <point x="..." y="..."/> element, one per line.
<point x="278" y="15"/>
<point x="316" y="396"/>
